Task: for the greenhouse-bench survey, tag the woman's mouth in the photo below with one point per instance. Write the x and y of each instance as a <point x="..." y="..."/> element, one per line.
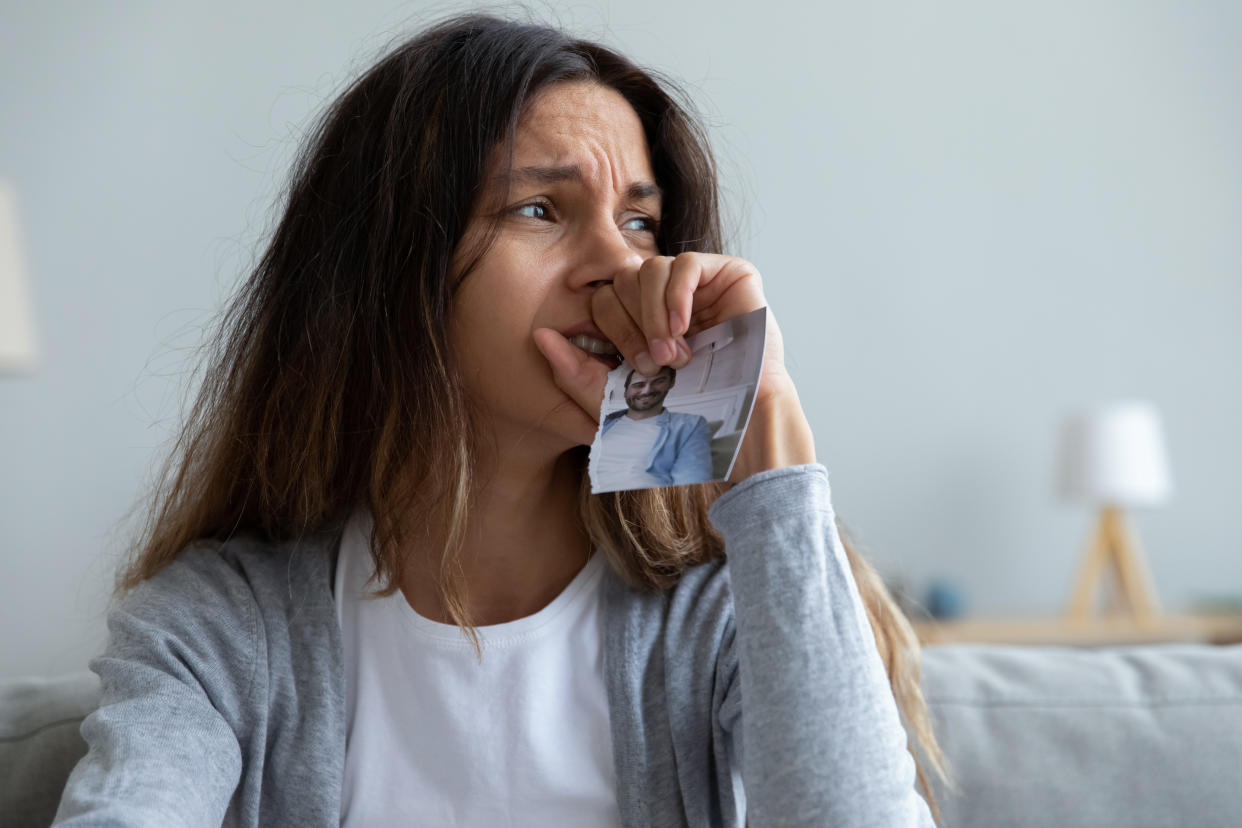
<point x="600" y="349"/>
<point x="592" y="345"/>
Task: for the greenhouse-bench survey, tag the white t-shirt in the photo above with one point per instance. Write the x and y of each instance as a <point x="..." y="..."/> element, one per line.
<point x="436" y="738"/>
<point x="623" y="454"/>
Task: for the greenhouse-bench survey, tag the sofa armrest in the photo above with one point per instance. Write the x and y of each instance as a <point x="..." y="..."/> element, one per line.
<point x="40" y="742"/>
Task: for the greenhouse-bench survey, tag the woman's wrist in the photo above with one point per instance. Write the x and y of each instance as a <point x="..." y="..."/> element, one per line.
<point x="778" y="435"/>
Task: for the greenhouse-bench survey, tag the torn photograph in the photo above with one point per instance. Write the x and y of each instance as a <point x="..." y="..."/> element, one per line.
<point x="680" y="426"/>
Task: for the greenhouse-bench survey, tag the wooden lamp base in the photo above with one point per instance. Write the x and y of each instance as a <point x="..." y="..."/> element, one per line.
<point x="1113" y="547"/>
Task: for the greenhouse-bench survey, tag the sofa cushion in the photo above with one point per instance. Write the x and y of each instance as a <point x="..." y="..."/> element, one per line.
<point x="1135" y="736"/>
<point x="40" y="742"/>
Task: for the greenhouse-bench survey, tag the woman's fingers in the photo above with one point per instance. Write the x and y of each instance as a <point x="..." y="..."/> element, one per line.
<point x="653" y="281"/>
<point x="684" y="277"/>
<point x="616" y="323"/>
<point x="620" y="306"/>
<point x="637" y="305"/>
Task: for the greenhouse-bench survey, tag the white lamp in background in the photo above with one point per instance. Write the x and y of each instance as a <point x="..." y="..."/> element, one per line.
<point x="17" y="341"/>
<point x="1114" y="458"/>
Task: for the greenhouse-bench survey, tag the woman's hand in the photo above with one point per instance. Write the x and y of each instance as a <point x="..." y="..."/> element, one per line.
<point x="648" y="311"/>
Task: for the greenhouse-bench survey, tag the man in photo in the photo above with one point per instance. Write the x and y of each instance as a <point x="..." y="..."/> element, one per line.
<point x="647" y="445"/>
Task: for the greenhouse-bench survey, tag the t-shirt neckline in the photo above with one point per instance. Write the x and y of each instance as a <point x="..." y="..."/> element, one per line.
<point x="355" y="546"/>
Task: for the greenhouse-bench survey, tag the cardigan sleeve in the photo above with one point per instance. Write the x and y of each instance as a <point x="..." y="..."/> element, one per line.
<point x="816" y="726"/>
<point x="163" y="748"/>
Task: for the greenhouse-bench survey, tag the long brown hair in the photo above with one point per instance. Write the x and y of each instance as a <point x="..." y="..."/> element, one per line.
<point x="315" y="397"/>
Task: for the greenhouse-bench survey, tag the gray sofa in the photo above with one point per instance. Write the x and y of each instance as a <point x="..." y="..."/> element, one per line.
<point x="1125" y="736"/>
<point x="1134" y="736"/>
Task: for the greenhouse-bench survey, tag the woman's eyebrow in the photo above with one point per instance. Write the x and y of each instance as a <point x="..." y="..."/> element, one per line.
<point x="572" y="172"/>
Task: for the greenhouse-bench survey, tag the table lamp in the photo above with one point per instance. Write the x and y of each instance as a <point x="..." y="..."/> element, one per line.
<point x="1114" y="458"/>
<point x="17" y="341"/>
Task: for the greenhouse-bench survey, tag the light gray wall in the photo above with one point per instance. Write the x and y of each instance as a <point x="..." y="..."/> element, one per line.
<point x="972" y="217"/>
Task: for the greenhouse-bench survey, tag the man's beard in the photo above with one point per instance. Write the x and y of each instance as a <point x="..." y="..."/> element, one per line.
<point x="646" y="402"/>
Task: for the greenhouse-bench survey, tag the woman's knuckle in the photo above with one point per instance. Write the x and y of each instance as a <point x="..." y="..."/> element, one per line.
<point x="653" y="266"/>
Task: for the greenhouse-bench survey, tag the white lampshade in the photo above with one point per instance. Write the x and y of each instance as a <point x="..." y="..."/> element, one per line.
<point x="17" y="340"/>
<point x="1115" y="456"/>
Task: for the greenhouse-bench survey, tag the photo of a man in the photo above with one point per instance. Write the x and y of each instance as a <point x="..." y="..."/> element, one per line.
<point x="647" y="445"/>
<point x="680" y="426"/>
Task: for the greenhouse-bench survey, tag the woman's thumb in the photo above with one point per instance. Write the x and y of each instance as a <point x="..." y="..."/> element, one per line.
<point x="575" y="373"/>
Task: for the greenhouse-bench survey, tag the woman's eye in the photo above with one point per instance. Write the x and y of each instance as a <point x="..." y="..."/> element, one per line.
<point x="535" y="211"/>
<point x="643" y="224"/>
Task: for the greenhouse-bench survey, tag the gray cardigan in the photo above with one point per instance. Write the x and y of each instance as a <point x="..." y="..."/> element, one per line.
<point x="223" y="688"/>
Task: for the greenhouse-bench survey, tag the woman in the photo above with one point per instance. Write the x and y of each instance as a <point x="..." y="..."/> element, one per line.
<point x="401" y="399"/>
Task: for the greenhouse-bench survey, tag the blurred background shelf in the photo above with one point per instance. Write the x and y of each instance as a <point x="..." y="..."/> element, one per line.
<point x="1099" y="631"/>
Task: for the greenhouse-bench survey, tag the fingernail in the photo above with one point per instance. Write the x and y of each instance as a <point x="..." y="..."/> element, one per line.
<point x="663" y="351"/>
<point x="683" y="348"/>
<point x="645" y="365"/>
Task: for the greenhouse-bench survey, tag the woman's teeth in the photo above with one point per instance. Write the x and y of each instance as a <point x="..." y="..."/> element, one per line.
<point x="592" y="345"/>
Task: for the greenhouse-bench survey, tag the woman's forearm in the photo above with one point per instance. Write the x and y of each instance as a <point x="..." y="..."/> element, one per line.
<point x="822" y="741"/>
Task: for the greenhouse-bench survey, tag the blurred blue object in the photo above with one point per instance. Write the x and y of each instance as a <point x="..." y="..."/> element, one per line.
<point x="945" y="600"/>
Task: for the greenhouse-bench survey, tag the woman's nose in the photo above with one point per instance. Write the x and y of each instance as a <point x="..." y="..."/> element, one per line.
<point x="603" y="253"/>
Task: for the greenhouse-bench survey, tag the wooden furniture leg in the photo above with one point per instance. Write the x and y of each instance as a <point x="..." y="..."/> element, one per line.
<point x="1113" y="547"/>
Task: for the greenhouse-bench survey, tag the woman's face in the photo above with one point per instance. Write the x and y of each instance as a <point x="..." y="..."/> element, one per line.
<point x="578" y="203"/>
